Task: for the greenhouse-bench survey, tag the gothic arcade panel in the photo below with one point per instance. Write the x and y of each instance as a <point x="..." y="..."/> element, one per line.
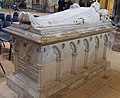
<point x="28" y="60"/>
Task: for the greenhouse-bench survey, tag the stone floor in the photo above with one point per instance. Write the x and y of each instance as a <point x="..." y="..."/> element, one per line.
<point x="100" y="87"/>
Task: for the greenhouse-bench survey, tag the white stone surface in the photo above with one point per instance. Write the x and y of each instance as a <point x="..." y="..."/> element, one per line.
<point x="75" y="15"/>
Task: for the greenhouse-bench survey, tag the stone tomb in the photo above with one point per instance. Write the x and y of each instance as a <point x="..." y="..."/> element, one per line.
<point x="53" y="61"/>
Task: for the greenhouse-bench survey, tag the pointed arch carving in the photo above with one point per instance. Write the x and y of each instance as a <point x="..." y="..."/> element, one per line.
<point x="29" y="50"/>
<point x="97" y="42"/>
<point x="105" y="38"/>
<point x="74" y="54"/>
<point x="87" y="47"/>
<point x="17" y="44"/>
<point x="16" y="47"/>
<point x="73" y="47"/>
<point x="86" y="43"/>
<point x="57" y="51"/>
<point x="105" y="46"/>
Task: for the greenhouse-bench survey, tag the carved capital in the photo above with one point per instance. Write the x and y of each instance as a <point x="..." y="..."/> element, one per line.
<point x="97" y="46"/>
<point x="59" y="59"/>
<point x="39" y="65"/>
<point x="74" y="54"/>
<point x="86" y="50"/>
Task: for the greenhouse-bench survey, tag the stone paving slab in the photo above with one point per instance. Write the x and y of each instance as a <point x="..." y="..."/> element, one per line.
<point x="76" y="94"/>
<point x="92" y="88"/>
<point x="109" y="74"/>
<point x="115" y="83"/>
<point x="93" y="85"/>
<point x="106" y="92"/>
<point x="6" y="92"/>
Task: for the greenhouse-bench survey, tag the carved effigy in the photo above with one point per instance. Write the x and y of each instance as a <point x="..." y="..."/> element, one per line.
<point x="74" y="15"/>
<point x="53" y="60"/>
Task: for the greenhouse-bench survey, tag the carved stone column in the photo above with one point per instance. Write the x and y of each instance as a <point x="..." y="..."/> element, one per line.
<point x="86" y="58"/>
<point x="73" y="63"/>
<point x="96" y="49"/>
<point x="105" y="46"/>
<point x="16" y="55"/>
<point x="58" y="69"/>
<point x="41" y="78"/>
<point x="74" y="54"/>
<point x="105" y="51"/>
<point x="86" y="43"/>
<point x="96" y="54"/>
<point x="58" y="60"/>
<point x="16" y="62"/>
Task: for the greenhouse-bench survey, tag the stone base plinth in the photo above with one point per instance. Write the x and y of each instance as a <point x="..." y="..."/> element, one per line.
<point x="26" y="88"/>
<point x="78" y="79"/>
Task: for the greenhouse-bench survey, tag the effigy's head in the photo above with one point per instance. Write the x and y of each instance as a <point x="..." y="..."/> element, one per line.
<point x="74" y="6"/>
<point x="24" y="18"/>
<point x="96" y="6"/>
